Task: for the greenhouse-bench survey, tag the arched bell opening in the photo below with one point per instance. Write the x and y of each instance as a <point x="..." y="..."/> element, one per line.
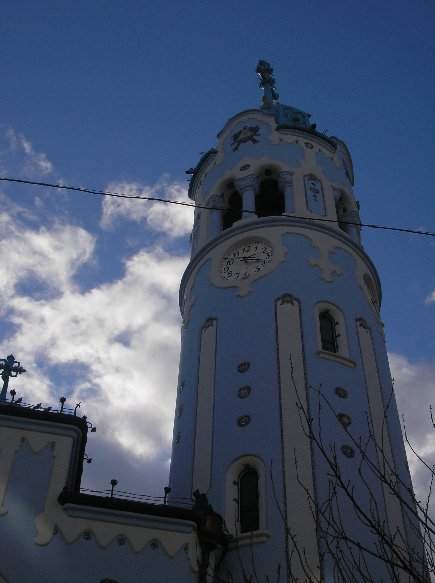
<point x="234" y="210"/>
<point x="270" y="200"/>
<point x="347" y="215"/>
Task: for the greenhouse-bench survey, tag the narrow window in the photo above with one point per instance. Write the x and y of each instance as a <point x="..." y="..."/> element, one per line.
<point x="327" y="332"/>
<point x="248" y="501"/>
<point x="234" y="211"/>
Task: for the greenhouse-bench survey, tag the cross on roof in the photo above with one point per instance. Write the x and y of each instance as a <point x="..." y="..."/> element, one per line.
<point x="10" y="368"/>
<point x="267" y="82"/>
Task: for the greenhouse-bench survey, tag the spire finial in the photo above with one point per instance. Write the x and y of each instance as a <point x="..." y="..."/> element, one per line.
<point x="267" y="82"/>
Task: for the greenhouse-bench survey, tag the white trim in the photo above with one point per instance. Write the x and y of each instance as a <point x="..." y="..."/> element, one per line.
<point x="381" y="434"/>
<point x="201" y="479"/>
<point x="296" y="445"/>
<point x="249" y="538"/>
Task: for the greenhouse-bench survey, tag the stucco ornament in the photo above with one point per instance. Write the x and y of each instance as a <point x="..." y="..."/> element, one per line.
<point x="246" y="134"/>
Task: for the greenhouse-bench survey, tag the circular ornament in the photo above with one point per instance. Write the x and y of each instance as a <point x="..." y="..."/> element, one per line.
<point x="243" y="420"/>
<point x="154" y="545"/>
<point x="244" y="167"/>
<point x="245" y="260"/>
<point x="348" y="451"/>
<point x="308" y="145"/>
<point x="340" y="392"/>
<point x="244" y="392"/>
<point x="121" y="540"/>
<point x="344" y="419"/>
<point x="244" y="366"/>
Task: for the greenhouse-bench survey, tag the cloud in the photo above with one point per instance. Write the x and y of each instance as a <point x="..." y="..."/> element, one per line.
<point x="172" y="220"/>
<point x="50" y="257"/>
<point x="123" y="338"/>
<point x="114" y="347"/>
<point x="32" y="163"/>
<point x="430" y="298"/>
<point x="414" y="394"/>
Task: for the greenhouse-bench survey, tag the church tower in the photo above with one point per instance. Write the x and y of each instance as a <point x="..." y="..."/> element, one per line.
<point x="285" y="413"/>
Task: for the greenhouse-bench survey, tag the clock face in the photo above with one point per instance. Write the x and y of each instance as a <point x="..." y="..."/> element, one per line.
<point x="245" y="260"/>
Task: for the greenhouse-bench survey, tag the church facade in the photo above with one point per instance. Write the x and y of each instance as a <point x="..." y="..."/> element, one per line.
<point x="286" y="433"/>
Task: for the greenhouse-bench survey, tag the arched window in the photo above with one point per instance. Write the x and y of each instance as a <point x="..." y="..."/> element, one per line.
<point x="234" y="211"/>
<point x="245" y="500"/>
<point x="270" y="201"/>
<point x="328" y="335"/>
<point x="249" y="515"/>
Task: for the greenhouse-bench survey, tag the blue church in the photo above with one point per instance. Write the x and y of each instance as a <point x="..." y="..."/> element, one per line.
<point x="286" y="435"/>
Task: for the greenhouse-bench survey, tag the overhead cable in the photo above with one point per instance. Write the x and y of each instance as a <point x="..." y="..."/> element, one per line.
<point x="202" y="206"/>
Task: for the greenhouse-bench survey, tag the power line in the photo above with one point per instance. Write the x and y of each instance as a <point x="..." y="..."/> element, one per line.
<point x="193" y="205"/>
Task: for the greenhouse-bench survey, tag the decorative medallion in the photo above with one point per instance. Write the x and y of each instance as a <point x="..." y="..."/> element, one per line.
<point x="244" y="366"/>
<point x="347" y="451"/>
<point x="243" y="420"/>
<point x="154" y="545"/>
<point x="344" y="419"/>
<point x="308" y="145"/>
<point x="121" y="540"/>
<point x="244" y="392"/>
<point x="340" y="392"/>
<point x="244" y="167"/>
<point x="314" y="195"/>
<point x="246" y="134"/>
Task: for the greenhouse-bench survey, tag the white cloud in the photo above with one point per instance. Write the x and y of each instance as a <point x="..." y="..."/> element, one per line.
<point x="50" y="256"/>
<point x="34" y="163"/>
<point x="172" y="220"/>
<point x="414" y="394"/>
<point x="124" y="337"/>
<point x="116" y="345"/>
<point x="430" y="298"/>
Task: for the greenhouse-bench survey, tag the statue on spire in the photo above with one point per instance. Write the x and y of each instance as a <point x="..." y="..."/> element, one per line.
<point x="267" y="82"/>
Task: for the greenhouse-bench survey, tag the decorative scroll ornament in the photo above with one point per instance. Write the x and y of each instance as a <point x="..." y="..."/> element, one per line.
<point x="246" y="134"/>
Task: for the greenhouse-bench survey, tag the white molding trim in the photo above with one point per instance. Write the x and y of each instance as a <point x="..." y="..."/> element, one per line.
<point x="203" y="449"/>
